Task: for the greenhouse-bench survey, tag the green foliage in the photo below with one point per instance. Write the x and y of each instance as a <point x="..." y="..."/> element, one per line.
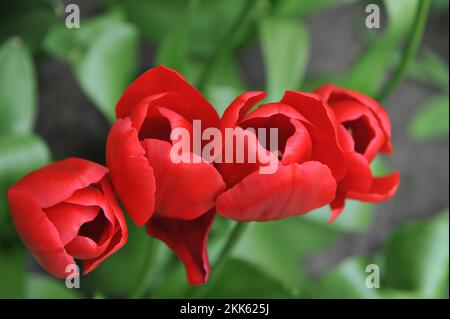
<point x="103" y="55"/>
<point x="285" y="46"/>
<point x="45" y="287"/>
<point x="417" y="257"/>
<point x="13" y="273"/>
<point x="17" y="88"/>
<point x="431" y="120"/>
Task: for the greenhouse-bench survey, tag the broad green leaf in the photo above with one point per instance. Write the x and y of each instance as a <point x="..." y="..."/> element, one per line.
<point x="103" y="56"/>
<point x="17" y="88"/>
<point x="346" y="280"/>
<point x="303" y="8"/>
<point x="279" y="248"/>
<point x="19" y="155"/>
<point x="417" y="257"/>
<point x="173" y="51"/>
<point x="285" y="47"/>
<point x="44" y="287"/>
<point x="430" y="69"/>
<point x="431" y="120"/>
<point x="12" y="272"/>
<point x="108" y="67"/>
<point x="240" y="279"/>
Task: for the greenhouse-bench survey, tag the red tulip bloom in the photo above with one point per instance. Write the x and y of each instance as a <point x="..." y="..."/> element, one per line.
<point x="175" y="200"/>
<point x="364" y="131"/>
<point x="310" y="159"/>
<point x="66" y="211"/>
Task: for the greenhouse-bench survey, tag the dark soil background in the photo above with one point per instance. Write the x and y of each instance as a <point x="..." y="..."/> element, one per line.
<point x="72" y="126"/>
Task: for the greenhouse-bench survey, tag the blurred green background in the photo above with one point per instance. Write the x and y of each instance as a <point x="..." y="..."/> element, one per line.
<point x="59" y="86"/>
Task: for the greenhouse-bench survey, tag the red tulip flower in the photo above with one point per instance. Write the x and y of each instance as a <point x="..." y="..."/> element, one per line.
<point x="174" y="200"/>
<point x="309" y="158"/>
<point x="364" y="131"/>
<point x="67" y="211"/>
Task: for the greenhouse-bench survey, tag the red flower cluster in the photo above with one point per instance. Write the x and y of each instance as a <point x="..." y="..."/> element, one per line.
<point x="326" y="141"/>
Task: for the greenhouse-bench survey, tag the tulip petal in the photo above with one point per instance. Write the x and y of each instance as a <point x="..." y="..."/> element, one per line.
<point x="160" y="80"/>
<point x="188" y="240"/>
<point x="239" y="108"/>
<point x="131" y="174"/>
<point x="38" y="233"/>
<point x="293" y="190"/>
<point x="184" y="190"/>
<point x="56" y="182"/>
<point x="324" y="134"/>
<point x="382" y="188"/>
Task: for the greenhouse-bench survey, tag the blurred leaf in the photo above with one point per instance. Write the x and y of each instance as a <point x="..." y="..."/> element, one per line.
<point x="222" y="95"/>
<point x="18" y="156"/>
<point x="431" y="70"/>
<point x="108" y="67"/>
<point x="417" y="257"/>
<point x="345" y="281"/>
<point x="279" y="248"/>
<point x="45" y="287"/>
<point x="431" y="120"/>
<point x="103" y="54"/>
<point x="26" y="19"/>
<point x="285" y="46"/>
<point x="17" y="88"/>
<point x="122" y="273"/>
<point x="158" y="18"/>
<point x="303" y="8"/>
<point x="12" y="272"/>
<point x="173" y="51"/>
<point x="241" y="280"/>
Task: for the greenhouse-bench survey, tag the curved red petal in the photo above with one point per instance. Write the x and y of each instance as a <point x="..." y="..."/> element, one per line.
<point x="324" y="134"/>
<point x="38" y="233"/>
<point x="382" y="188"/>
<point x="293" y="190"/>
<point x="57" y="181"/>
<point x="240" y="107"/>
<point x="183" y="190"/>
<point x="131" y="174"/>
<point x="188" y="240"/>
<point x="299" y="146"/>
<point x="160" y="80"/>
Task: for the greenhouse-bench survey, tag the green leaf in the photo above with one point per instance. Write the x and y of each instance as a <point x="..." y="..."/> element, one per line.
<point x="108" y="67"/>
<point x="45" y="287"/>
<point x="303" y="8"/>
<point x="173" y="51"/>
<point x="12" y="272"/>
<point x="247" y="282"/>
<point x="431" y="120"/>
<point x="347" y="280"/>
<point x="103" y="56"/>
<point x="285" y="47"/>
<point x="19" y="155"/>
<point x="279" y="248"/>
<point x="17" y="88"/>
<point x="417" y="257"/>
<point x="430" y="69"/>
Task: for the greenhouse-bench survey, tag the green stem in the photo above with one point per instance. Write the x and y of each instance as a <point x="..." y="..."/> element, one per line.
<point x="410" y="51"/>
<point x="223" y="45"/>
<point x="146" y="272"/>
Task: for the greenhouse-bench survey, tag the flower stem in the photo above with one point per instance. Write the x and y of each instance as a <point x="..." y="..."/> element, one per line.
<point x="146" y="272"/>
<point x="409" y="52"/>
